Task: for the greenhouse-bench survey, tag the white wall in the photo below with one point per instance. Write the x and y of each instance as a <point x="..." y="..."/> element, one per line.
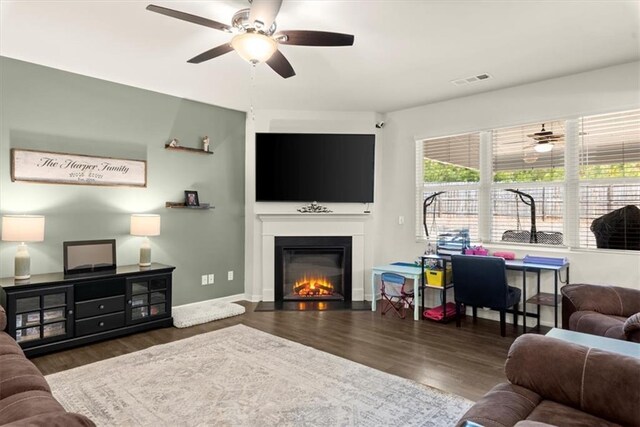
<point x="302" y="122"/>
<point x="605" y="90"/>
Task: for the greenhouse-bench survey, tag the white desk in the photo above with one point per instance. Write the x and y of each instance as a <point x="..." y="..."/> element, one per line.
<point x="409" y="272"/>
<point x="603" y="343"/>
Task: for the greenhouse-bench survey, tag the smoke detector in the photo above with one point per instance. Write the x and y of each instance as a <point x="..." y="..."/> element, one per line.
<point x="472" y="79"/>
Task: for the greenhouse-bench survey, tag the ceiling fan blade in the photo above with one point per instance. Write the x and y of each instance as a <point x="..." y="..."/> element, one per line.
<point x="281" y="65"/>
<point x="189" y="18"/>
<point x="314" y="38"/>
<point x="211" y="53"/>
<point x="264" y="11"/>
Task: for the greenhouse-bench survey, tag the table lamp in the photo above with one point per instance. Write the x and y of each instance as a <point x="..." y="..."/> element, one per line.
<point x="22" y="228"/>
<point x="145" y="225"/>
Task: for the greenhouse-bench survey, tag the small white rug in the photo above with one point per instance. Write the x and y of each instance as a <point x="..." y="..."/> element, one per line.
<point x="239" y="376"/>
<point x="203" y="312"/>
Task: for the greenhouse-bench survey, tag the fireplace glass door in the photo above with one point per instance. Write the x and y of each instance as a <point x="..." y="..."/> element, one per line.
<point x="313" y="274"/>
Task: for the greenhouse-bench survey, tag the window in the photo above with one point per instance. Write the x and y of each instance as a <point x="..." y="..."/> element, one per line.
<point x="449" y="165"/>
<point x="609" y="173"/>
<point x="528" y="182"/>
<point x="582" y="175"/>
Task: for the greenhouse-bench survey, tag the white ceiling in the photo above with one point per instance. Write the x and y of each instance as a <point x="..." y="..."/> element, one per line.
<point x="405" y="52"/>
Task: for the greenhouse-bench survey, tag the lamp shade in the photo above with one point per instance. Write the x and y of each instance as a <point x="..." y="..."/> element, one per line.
<point x="543" y="147"/>
<point x="23" y="228"/>
<point x="145" y="225"/>
<point x="254" y="47"/>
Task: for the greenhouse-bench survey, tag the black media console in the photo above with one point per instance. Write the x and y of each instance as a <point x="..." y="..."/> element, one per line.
<point x="50" y="312"/>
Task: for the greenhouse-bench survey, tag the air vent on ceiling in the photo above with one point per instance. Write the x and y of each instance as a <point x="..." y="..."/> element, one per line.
<point x="472" y="79"/>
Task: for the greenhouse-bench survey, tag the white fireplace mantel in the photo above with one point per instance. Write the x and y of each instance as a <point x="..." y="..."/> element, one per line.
<point x="325" y="224"/>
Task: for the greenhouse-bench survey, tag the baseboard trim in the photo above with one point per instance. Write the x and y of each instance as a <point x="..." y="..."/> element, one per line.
<point x="230" y="298"/>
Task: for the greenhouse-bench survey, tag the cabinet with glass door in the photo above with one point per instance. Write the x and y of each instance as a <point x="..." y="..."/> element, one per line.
<point x="148" y="297"/>
<point x="40" y="316"/>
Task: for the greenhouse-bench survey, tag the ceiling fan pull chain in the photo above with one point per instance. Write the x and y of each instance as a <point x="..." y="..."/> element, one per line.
<point x="252" y="88"/>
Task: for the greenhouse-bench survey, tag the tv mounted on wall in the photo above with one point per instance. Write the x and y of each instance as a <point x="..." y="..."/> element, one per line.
<point x="87" y="257"/>
<point x="295" y="167"/>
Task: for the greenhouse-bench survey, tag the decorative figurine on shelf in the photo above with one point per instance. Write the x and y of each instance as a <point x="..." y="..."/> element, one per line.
<point x="205" y="143"/>
<point x="314" y="207"/>
<point x="174" y="143"/>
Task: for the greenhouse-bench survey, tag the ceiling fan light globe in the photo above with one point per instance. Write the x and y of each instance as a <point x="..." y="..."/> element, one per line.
<point x="254" y="47"/>
<point x="543" y="147"/>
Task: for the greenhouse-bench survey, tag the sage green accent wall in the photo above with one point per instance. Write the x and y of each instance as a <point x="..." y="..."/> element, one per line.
<point x="47" y="109"/>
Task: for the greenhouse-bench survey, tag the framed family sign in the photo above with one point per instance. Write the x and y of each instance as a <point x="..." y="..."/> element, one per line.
<point x="62" y="168"/>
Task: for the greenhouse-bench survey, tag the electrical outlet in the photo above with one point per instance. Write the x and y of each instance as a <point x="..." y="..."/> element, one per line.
<point x="229" y="275"/>
<point x="211" y="279"/>
<point x="204" y="279"/>
<point x="400" y="220"/>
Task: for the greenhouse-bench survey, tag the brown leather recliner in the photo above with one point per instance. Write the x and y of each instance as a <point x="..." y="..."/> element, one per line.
<point x="25" y="396"/>
<point x="562" y="384"/>
<point x="602" y="310"/>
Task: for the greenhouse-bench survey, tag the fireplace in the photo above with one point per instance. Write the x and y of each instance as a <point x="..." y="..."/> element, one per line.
<point x="313" y="268"/>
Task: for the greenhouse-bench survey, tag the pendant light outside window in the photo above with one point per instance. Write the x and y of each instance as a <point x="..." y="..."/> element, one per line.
<point x="543" y="147"/>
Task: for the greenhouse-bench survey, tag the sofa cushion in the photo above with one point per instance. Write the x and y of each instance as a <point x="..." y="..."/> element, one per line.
<point x="18" y="375"/>
<point x="503" y="405"/>
<point x="594" y="323"/>
<point x="528" y="423"/>
<point x="17" y="406"/>
<point x="53" y="419"/>
<point x="595" y="381"/>
<point x="8" y="345"/>
<point x="631" y="327"/>
<point x="560" y="415"/>
<point x="614" y="300"/>
<point x="3" y="318"/>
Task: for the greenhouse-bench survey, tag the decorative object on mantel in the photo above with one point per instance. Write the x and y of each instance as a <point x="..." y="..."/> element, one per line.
<point x="145" y="225"/>
<point x="22" y="228"/>
<point x="174" y="143"/>
<point x="64" y="168"/>
<point x="205" y="143"/>
<point x="314" y="207"/>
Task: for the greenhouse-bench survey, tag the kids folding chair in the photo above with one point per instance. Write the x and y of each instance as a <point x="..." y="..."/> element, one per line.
<point x="396" y="294"/>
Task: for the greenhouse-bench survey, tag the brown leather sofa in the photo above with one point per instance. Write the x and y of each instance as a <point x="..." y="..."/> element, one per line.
<point x="554" y="382"/>
<point x="609" y="311"/>
<point x="25" y="396"/>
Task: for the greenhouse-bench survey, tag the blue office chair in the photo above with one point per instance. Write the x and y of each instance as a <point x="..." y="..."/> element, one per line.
<point x="396" y="294"/>
<point x="481" y="281"/>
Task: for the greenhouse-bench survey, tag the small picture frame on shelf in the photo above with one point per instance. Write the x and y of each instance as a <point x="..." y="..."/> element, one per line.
<point x="191" y="198"/>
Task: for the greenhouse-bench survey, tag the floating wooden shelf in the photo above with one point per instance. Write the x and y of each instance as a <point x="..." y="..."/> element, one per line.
<point x="181" y="205"/>
<point x="193" y="150"/>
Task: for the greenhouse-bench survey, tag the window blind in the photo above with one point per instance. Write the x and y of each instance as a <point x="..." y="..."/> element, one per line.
<point x="516" y="160"/>
<point x="517" y="165"/>
<point x="610" y="180"/>
<point x="449" y="164"/>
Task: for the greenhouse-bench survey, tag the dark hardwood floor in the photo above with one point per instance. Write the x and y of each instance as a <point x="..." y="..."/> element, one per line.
<point x="467" y="361"/>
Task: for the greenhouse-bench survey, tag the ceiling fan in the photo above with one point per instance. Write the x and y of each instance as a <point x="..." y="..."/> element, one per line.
<point x="255" y="37"/>
<point x="544" y="140"/>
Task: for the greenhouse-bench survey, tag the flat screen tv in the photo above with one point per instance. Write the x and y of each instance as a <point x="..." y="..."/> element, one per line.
<point x="296" y="167"/>
<point x="88" y="257"/>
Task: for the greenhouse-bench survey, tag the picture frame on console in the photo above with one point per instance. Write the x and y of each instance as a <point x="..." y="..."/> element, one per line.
<point x="191" y="198"/>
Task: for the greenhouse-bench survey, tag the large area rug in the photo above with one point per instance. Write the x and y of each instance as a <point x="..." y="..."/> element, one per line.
<point x="239" y="376"/>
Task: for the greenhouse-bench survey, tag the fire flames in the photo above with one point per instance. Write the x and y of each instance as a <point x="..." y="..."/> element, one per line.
<point x="313" y="287"/>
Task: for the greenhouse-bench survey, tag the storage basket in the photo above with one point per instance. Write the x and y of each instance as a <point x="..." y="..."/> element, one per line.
<point x="436" y="277"/>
